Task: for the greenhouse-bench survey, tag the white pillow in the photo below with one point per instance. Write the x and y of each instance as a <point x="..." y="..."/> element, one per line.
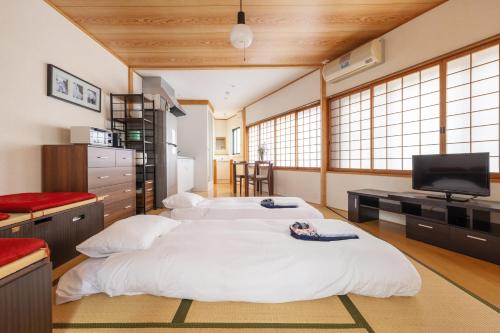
<point x="133" y="233"/>
<point x="182" y="200"/>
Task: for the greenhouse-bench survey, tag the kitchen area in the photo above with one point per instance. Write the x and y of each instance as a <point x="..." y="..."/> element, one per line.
<point x="228" y="146"/>
<point x="149" y="123"/>
<point x="179" y="145"/>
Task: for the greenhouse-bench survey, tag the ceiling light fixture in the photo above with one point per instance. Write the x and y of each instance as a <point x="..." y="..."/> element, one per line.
<point x="241" y="34"/>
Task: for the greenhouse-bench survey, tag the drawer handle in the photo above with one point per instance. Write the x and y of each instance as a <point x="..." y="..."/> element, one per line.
<point x="126" y="158"/>
<point x="149" y="189"/>
<point x="106" y="215"/>
<point x="127" y="190"/>
<point x="127" y="207"/>
<point x="476" y="238"/>
<point x="103" y="157"/>
<point x="44" y="220"/>
<point x="127" y="174"/>
<point x="102" y="177"/>
<point x="425" y="226"/>
<point x="78" y="218"/>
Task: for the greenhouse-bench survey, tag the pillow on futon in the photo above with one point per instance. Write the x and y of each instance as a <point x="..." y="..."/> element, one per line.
<point x="133" y="233"/>
<point x="182" y="200"/>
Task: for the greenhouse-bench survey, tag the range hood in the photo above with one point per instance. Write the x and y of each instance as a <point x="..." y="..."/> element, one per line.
<point x="156" y="85"/>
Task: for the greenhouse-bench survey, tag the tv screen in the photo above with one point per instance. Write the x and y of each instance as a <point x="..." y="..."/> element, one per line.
<point x="452" y="173"/>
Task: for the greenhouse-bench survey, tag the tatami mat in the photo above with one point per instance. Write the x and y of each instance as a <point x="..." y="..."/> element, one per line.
<point x="122" y="309"/>
<point x="327" y="310"/>
<point x="203" y="330"/>
<point x="440" y="307"/>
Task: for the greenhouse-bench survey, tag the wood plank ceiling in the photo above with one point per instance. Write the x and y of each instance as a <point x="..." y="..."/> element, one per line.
<point x="195" y="33"/>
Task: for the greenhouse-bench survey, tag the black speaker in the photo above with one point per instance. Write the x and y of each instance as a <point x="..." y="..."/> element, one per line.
<point x="117" y="141"/>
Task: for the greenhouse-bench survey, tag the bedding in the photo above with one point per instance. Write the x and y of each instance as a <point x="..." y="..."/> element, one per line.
<point x="182" y="200"/>
<point x="253" y="260"/>
<point x="133" y="233"/>
<point x="244" y="207"/>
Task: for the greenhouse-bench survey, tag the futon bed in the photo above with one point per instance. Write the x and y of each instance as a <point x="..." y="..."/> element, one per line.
<point x="243" y="207"/>
<point x="253" y="260"/>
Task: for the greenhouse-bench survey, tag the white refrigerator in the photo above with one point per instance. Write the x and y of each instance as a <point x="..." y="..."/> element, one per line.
<point x="166" y="159"/>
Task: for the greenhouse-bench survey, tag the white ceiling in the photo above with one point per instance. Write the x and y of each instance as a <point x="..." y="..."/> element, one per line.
<point x="229" y="90"/>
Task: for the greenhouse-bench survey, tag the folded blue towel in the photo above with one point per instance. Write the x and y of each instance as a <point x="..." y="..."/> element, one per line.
<point x="305" y="232"/>
<point x="269" y="203"/>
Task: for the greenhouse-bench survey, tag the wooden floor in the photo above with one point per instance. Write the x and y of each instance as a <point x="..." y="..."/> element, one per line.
<point x="480" y="277"/>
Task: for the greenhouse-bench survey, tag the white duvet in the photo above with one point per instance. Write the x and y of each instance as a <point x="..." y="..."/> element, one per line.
<point x="245" y="208"/>
<point x="248" y="260"/>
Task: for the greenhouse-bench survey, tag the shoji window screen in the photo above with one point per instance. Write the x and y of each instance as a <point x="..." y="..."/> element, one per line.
<point x="472" y="104"/>
<point x="406" y="113"/>
<point x="285" y="140"/>
<point x="309" y="138"/>
<point x="350" y="135"/>
<point x="253" y="143"/>
<point x="266" y="136"/>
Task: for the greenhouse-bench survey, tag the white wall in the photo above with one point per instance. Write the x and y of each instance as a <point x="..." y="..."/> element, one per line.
<point x="220" y="129"/>
<point x="192" y="133"/>
<point x="453" y="25"/>
<point x="32" y="35"/>
<point x="137" y="83"/>
<point x="302" y="184"/>
<point x="301" y="92"/>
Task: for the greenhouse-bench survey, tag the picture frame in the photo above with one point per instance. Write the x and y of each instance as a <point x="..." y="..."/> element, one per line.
<point x="72" y="89"/>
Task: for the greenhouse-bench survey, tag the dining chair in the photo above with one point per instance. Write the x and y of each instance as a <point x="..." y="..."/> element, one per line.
<point x="262" y="174"/>
<point x="240" y="172"/>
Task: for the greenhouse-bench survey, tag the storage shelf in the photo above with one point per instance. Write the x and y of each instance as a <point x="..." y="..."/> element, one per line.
<point x="145" y="125"/>
<point x="138" y="142"/>
<point x="132" y="120"/>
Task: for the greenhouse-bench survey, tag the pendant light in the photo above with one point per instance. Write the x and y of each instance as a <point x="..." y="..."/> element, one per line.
<point x="241" y="34"/>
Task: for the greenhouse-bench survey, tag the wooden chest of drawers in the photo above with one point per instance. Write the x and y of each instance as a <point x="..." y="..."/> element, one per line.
<point x="106" y="172"/>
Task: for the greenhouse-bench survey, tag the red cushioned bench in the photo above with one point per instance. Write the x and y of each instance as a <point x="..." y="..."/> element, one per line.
<point x="62" y="219"/>
<point x="12" y="249"/>
<point x="33" y="202"/>
<point x="25" y="283"/>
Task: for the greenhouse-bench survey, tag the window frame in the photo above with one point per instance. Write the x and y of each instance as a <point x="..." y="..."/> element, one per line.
<point x="295" y="112"/>
<point x="233" y="146"/>
<point x="441" y="62"/>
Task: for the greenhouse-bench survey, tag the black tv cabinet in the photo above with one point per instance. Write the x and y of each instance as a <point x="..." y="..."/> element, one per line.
<point x="471" y="227"/>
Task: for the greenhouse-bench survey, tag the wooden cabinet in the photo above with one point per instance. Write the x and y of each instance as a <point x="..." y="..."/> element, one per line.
<point x="25" y="300"/>
<point x="62" y="231"/>
<point x="471" y="227"/>
<point x="107" y="172"/>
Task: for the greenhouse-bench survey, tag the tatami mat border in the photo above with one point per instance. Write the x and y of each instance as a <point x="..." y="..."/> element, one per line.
<point x="183" y="309"/>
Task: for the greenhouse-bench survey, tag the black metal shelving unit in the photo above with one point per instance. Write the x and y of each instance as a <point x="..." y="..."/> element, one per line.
<point x="133" y="114"/>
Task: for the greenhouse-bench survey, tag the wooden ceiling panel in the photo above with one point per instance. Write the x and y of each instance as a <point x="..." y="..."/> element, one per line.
<point x="163" y="33"/>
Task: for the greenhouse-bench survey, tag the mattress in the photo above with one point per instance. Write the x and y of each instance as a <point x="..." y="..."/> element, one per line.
<point x="253" y="260"/>
<point x="242" y="208"/>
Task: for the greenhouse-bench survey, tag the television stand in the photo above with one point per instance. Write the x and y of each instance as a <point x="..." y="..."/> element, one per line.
<point x="448" y="198"/>
<point x="471" y="227"/>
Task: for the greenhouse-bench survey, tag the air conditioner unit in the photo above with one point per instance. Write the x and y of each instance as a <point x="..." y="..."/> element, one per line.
<point x="362" y="58"/>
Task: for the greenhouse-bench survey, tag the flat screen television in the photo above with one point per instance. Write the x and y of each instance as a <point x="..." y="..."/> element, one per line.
<point x="452" y="174"/>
